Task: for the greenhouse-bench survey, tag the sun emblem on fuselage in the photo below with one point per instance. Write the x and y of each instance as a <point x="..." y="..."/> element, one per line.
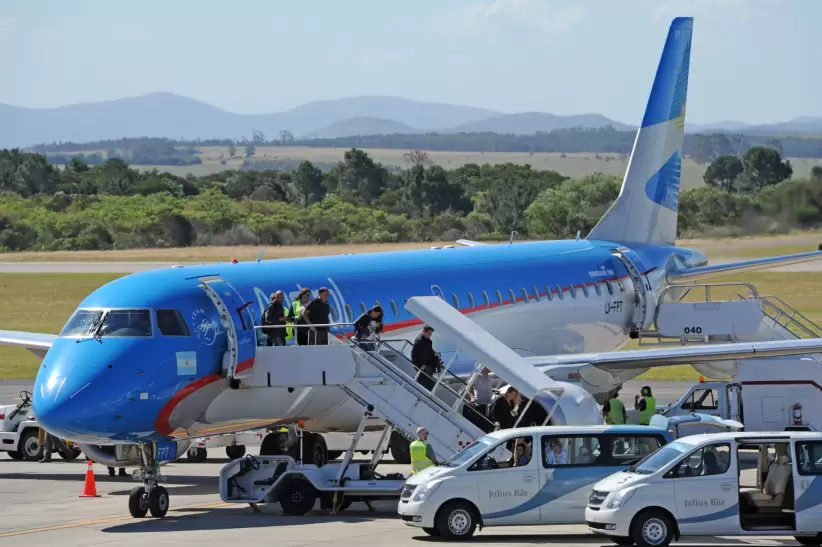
<point x="204" y="328"/>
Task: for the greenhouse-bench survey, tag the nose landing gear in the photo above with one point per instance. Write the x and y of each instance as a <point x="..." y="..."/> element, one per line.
<point x="151" y="497"/>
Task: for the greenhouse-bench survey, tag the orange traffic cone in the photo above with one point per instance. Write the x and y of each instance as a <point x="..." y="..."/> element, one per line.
<point x="90" y="487"/>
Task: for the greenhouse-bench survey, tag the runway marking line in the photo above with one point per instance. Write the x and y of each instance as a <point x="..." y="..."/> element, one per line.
<point x="99" y="521"/>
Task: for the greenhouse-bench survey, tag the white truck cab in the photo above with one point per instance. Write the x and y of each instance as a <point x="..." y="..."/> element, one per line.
<point x="721" y="484"/>
<point x="529" y="476"/>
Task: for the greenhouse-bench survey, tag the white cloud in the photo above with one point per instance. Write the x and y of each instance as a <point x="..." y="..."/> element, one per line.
<point x="546" y="17"/>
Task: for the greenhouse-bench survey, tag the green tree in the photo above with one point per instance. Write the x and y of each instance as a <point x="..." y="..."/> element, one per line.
<point x="232" y="150"/>
<point x="286" y="136"/>
<point x="723" y="173"/>
<point x="763" y="167"/>
<point x="358" y="175"/>
<point x="309" y="182"/>
<point x="507" y="200"/>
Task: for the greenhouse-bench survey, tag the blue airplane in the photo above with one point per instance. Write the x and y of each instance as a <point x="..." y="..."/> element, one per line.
<point x="143" y="358"/>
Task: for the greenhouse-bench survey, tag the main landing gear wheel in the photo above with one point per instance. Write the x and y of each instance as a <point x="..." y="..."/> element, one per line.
<point x="314" y="449"/>
<point x="334" y="454"/>
<point x="197" y="455"/>
<point x="158" y="502"/>
<point x="274" y="444"/>
<point x="138" y="502"/>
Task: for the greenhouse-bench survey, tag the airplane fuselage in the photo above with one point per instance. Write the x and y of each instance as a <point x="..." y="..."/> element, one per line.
<point x="541" y="298"/>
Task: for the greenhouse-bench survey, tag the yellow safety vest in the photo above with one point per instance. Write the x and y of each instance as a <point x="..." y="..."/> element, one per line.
<point x="617" y="413"/>
<point x="650" y="409"/>
<point x="419" y="460"/>
<point x="290" y="331"/>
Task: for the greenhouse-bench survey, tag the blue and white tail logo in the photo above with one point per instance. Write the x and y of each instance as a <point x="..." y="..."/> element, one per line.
<point x="646" y="209"/>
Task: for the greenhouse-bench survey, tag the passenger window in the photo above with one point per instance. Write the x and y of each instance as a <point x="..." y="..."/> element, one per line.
<point x="171" y="323"/>
<point x="598" y="289"/>
<point x="549" y="293"/>
<point x="572" y="290"/>
<point x="610" y="288"/>
<point x="394" y="309"/>
<point x="621" y="285"/>
<point x="486" y="299"/>
<point x="333" y="313"/>
<point x="349" y="313"/>
<point x="714" y="459"/>
<point x="585" y="290"/>
<point x="363" y="307"/>
<point x="809" y="457"/>
<point x="559" y="292"/>
<point x="499" y="298"/>
<point x="629" y="450"/>
<point x="456" y="301"/>
<point x="701" y="399"/>
<point x="578" y="450"/>
<point x="513" y="296"/>
<point x="516" y="452"/>
<point x="471" y="301"/>
<point x="524" y="295"/>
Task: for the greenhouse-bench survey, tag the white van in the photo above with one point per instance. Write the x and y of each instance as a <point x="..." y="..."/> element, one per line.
<point x="722" y="484"/>
<point x="548" y="481"/>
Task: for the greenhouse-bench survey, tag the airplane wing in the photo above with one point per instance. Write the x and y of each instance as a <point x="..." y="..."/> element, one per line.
<point x="36" y="342"/>
<point x="469" y="243"/>
<point x="704" y="272"/>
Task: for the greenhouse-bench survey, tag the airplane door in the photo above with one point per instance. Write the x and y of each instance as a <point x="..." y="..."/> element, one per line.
<point x="236" y="318"/>
<point x="807" y="484"/>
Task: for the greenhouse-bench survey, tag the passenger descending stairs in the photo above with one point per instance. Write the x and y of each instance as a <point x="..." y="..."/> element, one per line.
<point x="395" y="396"/>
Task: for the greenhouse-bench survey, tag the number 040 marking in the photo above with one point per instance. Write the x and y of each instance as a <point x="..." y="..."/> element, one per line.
<point x="693" y="330"/>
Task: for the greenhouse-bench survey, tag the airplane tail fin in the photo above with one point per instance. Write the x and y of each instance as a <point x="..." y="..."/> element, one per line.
<point x="646" y="209"/>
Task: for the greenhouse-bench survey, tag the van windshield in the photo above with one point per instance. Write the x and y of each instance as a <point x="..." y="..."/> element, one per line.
<point x="659" y="459"/>
<point x="467" y="453"/>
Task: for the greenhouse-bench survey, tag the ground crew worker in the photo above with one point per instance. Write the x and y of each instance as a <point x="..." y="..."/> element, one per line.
<point x="614" y="410"/>
<point x="422" y="455"/>
<point x="646" y="406"/>
<point x="294" y="317"/>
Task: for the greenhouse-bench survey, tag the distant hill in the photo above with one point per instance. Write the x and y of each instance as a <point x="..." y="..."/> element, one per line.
<point x="361" y="125"/>
<point x="528" y="123"/>
<point x="172" y="116"/>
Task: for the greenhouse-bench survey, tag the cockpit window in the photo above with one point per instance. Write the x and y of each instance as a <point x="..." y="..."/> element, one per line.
<point x="109" y="323"/>
<point x="171" y="323"/>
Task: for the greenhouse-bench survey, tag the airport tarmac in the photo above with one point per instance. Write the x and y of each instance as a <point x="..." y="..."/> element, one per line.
<point x="131" y="267"/>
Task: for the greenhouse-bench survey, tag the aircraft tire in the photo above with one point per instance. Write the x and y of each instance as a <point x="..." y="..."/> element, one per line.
<point x="400" y="448"/>
<point x="158" y="502"/>
<point x="197" y="455"/>
<point x="334" y="454"/>
<point x="137" y="502"/>
<point x="272" y="445"/>
<point x="315" y="449"/>
<point x="235" y="451"/>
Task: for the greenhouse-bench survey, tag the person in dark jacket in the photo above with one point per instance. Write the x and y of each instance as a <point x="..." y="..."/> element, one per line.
<point x="503" y="410"/>
<point x="367" y="327"/>
<point x="275" y="316"/>
<point x="316" y="314"/>
<point x="425" y="358"/>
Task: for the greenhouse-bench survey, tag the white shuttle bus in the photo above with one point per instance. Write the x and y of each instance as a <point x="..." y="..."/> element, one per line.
<point x="701" y="486"/>
<point x="527" y="476"/>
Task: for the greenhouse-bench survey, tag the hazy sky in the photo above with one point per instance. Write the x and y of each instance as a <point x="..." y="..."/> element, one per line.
<point x="752" y="60"/>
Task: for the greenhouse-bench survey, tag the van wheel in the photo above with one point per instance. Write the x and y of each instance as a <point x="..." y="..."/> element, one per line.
<point x="809" y="540"/>
<point x="456" y="521"/>
<point x="15" y="455"/>
<point x="433" y="532"/>
<point x="652" y="529"/>
<point x="622" y="541"/>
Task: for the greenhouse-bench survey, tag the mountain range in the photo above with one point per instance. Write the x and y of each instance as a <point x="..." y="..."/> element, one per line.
<point x="177" y="117"/>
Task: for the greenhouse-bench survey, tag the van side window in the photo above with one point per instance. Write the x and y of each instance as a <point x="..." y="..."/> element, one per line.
<point x="701" y="399"/>
<point x="808" y="457"/>
<point x="171" y="323"/>
<point x="603" y="449"/>
<point x="517" y="452"/>
<point x="629" y="450"/>
<point x="714" y="459"/>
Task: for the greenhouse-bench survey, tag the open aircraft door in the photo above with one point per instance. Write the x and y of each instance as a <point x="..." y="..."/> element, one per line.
<point x="236" y="318"/>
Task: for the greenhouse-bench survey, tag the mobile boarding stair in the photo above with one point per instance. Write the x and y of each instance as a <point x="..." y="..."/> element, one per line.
<point x="387" y="390"/>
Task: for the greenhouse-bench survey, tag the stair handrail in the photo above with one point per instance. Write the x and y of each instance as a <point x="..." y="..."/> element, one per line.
<point x="792" y="314"/>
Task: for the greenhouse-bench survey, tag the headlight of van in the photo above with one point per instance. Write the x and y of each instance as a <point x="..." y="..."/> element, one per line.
<point x="620" y="498"/>
<point x="425" y="492"/>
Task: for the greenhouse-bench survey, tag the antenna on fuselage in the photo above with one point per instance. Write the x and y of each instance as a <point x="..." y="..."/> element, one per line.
<point x="511" y="240"/>
<point x="260" y="256"/>
<point x="579" y="232"/>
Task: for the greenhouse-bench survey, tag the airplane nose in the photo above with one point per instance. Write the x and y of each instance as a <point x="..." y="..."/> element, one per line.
<point x="71" y="397"/>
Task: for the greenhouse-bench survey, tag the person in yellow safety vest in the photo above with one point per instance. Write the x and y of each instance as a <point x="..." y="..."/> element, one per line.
<point x="646" y="406"/>
<point x="422" y="455"/>
<point x="614" y="410"/>
<point x="293" y="316"/>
